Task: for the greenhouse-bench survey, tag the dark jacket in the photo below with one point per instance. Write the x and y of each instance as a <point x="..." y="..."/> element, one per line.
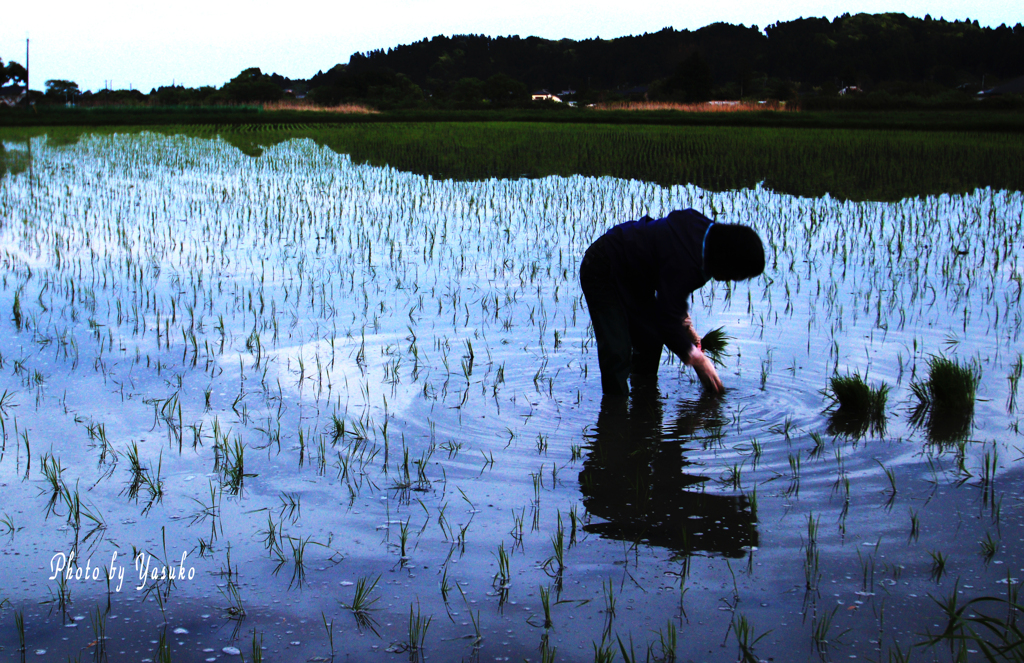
<point x="657" y="265"/>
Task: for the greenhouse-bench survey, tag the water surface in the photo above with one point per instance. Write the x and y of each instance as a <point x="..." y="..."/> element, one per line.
<point x="331" y="371"/>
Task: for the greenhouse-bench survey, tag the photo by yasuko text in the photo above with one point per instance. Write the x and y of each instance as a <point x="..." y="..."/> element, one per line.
<point x="146" y="569"/>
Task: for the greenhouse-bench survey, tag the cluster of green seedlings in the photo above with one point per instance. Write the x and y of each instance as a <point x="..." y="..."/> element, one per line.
<point x="850" y="396"/>
<point x="349" y="290"/>
<point x="943" y="401"/>
<point x="987" y="624"/>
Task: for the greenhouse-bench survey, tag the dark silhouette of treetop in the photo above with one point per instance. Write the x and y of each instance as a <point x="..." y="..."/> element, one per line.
<point x="252" y="85"/>
<point x="12" y="72"/>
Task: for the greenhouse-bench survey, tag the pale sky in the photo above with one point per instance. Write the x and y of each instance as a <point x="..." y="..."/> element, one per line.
<point x="191" y="42"/>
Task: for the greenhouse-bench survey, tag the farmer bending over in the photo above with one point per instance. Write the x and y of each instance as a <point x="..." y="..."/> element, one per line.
<point x="638" y="278"/>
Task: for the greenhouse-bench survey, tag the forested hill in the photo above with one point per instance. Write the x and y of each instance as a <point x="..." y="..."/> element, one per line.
<point x="892" y="61"/>
<point x="863" y="49"/>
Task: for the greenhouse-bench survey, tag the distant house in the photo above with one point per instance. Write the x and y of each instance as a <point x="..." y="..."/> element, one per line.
<point x="544" y="95"/>
<point x="849" y="89"/>
<point x="1013" y="87"/>
<point x="12" y="95"/>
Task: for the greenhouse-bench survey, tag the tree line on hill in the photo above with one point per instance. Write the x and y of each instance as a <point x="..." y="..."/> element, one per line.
<point x="887" y="56"/>
<point x="892" y="53"/>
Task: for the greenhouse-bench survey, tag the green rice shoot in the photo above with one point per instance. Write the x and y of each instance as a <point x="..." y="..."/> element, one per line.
<point x="950" y="386"/>
<point x="855" y="407"/>
<point x="714" y="345"/>
<point x="852" y="397"/>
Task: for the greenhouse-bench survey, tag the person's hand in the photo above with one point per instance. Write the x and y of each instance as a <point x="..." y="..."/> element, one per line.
<point x="705" y="371"/>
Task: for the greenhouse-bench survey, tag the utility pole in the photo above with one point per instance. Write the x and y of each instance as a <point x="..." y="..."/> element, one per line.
<point x="26" y="65"/>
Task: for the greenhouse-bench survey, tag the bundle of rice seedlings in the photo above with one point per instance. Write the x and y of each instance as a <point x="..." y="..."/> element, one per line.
<point x="949" y="386"/>
<point x="946" y="398"/>
<point x="855" y="406"/>
<point x="714" y="344"/>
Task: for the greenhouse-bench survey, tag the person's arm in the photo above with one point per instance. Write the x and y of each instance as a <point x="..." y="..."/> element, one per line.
<point x="680" y="272"/>
<point x="695" y="357"/>
<point x="684" y="341"/>
<point x="691" y="330"/>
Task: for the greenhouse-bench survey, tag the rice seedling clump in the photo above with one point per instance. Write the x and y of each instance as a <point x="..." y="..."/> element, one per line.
<point x="855" y="406"/>
<point x="714" y="343"/>
<point x="945" y="404"/>
<point x="950" y="385"/>
<point x="852" y="396"/>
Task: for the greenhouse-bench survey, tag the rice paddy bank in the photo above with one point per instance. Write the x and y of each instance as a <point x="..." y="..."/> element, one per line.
<point x="983" y="119"/>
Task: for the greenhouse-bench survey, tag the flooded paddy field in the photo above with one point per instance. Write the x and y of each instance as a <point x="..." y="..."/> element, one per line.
<point x="296" y="407"/>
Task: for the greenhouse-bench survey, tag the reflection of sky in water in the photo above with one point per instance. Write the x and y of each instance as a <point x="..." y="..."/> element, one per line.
<point x="411" y="277"/>
<point x="322" y="368"/>
<point x="335" y="249"/>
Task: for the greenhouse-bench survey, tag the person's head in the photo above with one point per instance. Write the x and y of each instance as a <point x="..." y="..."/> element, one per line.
<point x="733" y="252"/>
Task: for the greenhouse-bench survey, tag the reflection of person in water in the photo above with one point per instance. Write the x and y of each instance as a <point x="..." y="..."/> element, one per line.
<point x="638" y="278"/>
<point x="634" y="480"/>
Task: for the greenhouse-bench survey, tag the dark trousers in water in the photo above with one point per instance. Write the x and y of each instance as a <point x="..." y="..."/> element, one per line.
<point x="623" y="345"/>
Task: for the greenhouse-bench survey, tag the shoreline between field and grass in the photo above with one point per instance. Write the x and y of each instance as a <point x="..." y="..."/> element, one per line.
<point x="980" y="120"/>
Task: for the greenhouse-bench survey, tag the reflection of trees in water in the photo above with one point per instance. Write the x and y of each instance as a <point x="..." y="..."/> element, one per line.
<point x="635" y="479"/>
<point x="13" y="162"/>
